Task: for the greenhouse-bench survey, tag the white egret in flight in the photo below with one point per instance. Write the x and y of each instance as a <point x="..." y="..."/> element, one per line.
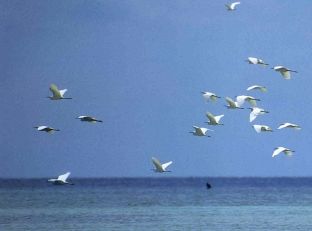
<point x="209" y="96"/>
<point x="160" y="167"/>
<point x="285" y="72"/>
<point x="61" y="179"/>
<point x="88" y="119"/>
<point x="252" y="60"/>
<point x="257" y="87"/>
<point x="46" y="129"/>
<point x="289" y="125"/>
<point x="200" y="131"/>
<point x="279" y="150"/>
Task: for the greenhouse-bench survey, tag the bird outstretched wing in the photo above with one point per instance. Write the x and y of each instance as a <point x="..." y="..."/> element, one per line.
<point x="277" y="151"/>
<point x="62" y="92"/>
<point x="165" y="165"/>
<point x="240" y="100"/>
<point x="252" y="116"/>
<point x="218" y="118"/>
<point x="285" y="125"/>
<point x="252" y="60"/>
<point x="257" y="87"/>
<point x="63" y="177"/>
<point x="235" y="4"/>
<point x="257" y="128"/>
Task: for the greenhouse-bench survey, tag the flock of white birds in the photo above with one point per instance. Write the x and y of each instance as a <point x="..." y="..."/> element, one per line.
<point x="252" y="101"/>
<point x="59" y="95"/>
<point x="213" y="120"/>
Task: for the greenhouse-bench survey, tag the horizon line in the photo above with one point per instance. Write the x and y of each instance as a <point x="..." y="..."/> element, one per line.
<point x="146" y="177"/>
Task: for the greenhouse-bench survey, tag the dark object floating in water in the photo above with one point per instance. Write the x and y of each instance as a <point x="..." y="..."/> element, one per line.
<point x="208" y="185"/>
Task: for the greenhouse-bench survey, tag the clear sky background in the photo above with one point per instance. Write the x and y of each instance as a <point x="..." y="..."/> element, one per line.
<point x="140" y="67"/>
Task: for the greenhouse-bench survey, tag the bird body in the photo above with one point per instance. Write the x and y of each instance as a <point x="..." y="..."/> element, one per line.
<point x="256" y="111"/>
<point x="214" y="120"/>
<point x="88" y="119"/>
<point x="160" y="167"/>
<point x="279" y="150"/>
<point x="262" y="128"/>
<point x="232" y="6"/>
<point x="209" y="96"/>
<point x="285" y="72"/>
<point x="57" y="94"/>
<point x="46" y="129"/>
<point x="200" y="131"/>
<point x="252" y="60"/>
<point x="289" y="125"/>
<point x="232" y="104"/>
<point x="257" y="87"/>
<point x="61" y="179"/>
<point x="241" y="99"/>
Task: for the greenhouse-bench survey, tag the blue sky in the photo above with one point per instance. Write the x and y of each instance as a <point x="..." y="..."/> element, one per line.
<point x="140" y="67"/>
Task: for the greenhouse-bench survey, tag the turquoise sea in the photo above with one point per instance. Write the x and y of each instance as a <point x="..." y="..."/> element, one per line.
<point x="157" y="204"/>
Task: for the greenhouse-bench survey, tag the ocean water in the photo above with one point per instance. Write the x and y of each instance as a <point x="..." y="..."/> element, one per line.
<point x="157" y="204"/>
